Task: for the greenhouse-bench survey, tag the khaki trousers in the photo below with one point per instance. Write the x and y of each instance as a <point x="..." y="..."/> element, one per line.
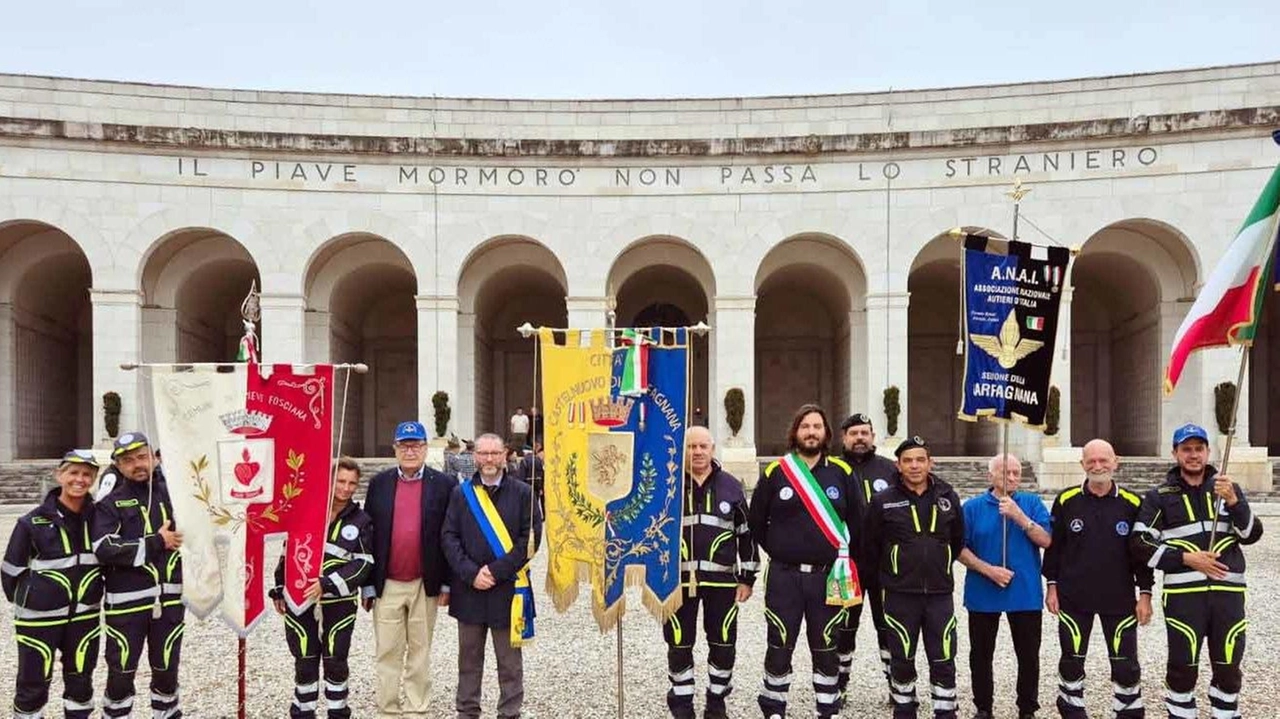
<point x="404" y="619"/>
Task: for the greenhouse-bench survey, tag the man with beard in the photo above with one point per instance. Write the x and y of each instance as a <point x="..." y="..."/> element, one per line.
<point x="51" y="576"/>
<point x="134" y="539"/>
<point x="1004" y="531"/>
<point x="718" y="565"/>
<point x="1204" y="582"/>
<point x="801" y="514"/>
<point x="913" y="532"/>
<point x="871" y="474"/>
<point x="1090" y="572"/>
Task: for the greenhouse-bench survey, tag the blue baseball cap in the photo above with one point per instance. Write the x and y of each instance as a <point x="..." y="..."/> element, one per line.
<point x="128" y="442"/>
<point x="1189" y="431"/>
<point x="410" y="431"/>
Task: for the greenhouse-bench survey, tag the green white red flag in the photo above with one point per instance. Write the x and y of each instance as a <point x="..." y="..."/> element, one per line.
<point x="1228" y="308"/>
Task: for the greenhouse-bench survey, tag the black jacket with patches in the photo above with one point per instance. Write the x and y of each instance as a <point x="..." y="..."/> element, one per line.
<point x="348" y="557"/>
<point x="1176" y="518"/>
<point x="784" y="529"/>
<point x="910" y="541"/>
<point x="125" y="532"/>
<point x="49" y="569"/>
<point x="715" y="539"/>
<point x="1088" y="560"/>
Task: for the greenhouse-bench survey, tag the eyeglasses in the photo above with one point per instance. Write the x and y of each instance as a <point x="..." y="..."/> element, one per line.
<point x="410" y="446"/>
<point x="496" y="453"/>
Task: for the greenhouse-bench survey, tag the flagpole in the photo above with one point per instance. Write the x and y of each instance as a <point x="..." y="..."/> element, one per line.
<point x="1017" y="193"/>
<point x="611" y="316"/>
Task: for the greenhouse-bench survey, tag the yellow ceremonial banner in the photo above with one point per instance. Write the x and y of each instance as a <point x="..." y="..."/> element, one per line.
<point x="573" y="379"/>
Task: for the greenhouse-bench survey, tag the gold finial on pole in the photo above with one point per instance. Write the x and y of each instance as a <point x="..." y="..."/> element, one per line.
<point x="1019" y="190"/>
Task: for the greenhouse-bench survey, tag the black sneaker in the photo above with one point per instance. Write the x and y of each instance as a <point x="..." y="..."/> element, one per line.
<point x="982" y="714"/>
<point x="714" y="713"/>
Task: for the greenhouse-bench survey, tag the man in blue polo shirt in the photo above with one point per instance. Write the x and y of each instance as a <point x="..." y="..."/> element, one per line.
<point x="1004" y="577"/>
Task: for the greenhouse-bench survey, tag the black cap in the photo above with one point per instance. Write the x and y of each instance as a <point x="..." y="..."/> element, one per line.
<point x="855" y="420"/>
<point x="912" y="442"/>
<point x="128" y="442"/>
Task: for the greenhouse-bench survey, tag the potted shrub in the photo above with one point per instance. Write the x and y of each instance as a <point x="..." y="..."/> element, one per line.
<point x="1052" y="416"/>
<point x="1224" y="400"/>
<point x="442" y="412"/>
<point x="111" y="413"/>
<point x="892" y="409"/>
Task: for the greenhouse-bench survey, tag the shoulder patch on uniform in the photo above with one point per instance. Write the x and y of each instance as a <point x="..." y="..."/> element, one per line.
<point x="841" y="464"/>
<point x="350" y="532"/>
<point x="768" y="470"/>
<point x="1068" y="494"/>
<point x="1167" y="489"/>
<point x="126" y="502"/>
<point x="41" y="520"/>
<point x="1130" y="497"/>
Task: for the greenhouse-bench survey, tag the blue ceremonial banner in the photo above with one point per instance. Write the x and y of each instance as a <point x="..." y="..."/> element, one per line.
<point x="642" y="526"/>
<point x="1011" y="321"/>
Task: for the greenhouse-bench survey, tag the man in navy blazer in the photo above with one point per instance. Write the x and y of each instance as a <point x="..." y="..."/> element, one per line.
<point x="407" y="504"/>
<point x="485" y="579"/>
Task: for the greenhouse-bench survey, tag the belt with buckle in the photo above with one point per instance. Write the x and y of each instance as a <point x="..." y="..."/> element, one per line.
<point x="806" y="568"/>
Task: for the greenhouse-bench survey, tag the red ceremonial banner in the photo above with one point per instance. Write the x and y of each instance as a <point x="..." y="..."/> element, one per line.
<point x="299" y="447"/>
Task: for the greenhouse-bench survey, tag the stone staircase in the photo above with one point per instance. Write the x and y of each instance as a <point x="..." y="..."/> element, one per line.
<point x="967" y="474"/>
<point x="25" y="482"/>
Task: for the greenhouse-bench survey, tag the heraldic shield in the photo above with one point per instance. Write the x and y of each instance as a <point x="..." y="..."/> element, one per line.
<point x="615" y="424"/>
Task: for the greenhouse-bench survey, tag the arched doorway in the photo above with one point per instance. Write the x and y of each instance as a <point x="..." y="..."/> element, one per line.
<point x="506" y="282"/>
<point x="1119" y="335"/>
<point x="935" y="359"/>
<point x="666" y="281"/>
<point x="46" y="341"/>
<point x="810" y="294"/>
<point x="360" y="307"/>
<point x="193" y="283"/>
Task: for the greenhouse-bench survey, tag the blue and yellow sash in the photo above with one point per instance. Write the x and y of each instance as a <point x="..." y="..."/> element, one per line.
<point x="495" y="532"/>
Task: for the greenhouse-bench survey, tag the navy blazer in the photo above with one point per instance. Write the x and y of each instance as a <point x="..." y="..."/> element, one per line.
<point x="468" y="550"/>
<point x="380" y="502"/>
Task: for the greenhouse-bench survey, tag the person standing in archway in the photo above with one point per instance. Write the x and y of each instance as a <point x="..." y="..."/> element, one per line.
<point x="519" y="428"/>
<point x="802" y="512"/>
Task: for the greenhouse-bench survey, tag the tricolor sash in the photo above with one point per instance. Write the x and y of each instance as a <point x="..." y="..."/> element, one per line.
<point x="495" y="532"/>
<point x="843" y="587"/>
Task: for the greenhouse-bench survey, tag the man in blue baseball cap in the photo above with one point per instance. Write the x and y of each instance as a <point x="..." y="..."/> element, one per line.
<point x="410" y="576"/>
<point x="1192" y="528"/>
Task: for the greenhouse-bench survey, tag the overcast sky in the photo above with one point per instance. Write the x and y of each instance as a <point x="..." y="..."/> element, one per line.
<point x="607" y="48"/>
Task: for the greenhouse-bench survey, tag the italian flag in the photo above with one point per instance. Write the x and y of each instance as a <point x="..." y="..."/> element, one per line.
<point x="1227" y="310"/>
<point x="635" y="368"/>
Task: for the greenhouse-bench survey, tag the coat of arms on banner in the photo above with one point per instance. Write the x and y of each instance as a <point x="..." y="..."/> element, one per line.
<point x="615" y="467"/>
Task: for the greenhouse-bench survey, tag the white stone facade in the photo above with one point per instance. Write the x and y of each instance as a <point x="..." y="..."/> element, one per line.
<point x="415" y="234"/>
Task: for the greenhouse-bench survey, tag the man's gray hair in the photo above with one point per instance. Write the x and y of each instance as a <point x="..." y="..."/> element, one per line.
<point x="490" y="435"/>
<point x="998" y="461"/>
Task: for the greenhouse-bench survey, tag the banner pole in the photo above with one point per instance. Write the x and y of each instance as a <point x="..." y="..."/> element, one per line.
<point x="240" y="681"/>
<point x="1004" y="491"/>
<point x="1231" y="434"/>
<point x="621" y="690"/>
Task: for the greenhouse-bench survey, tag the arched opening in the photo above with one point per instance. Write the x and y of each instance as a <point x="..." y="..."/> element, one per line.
<point x="193" y="283"/>
<point x="360" y="307"/>
<point x="46" y="341"/>
<point x="935" y="360"/>
<point x="1119" y="338"/>
<point x="810" y="307"/>
<point x="665" y="281"/>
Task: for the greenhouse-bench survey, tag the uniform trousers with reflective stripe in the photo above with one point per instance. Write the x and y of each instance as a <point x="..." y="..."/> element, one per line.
<point x="124" y="635"/>
<point x="847" y="636"/>
<point x="312" y="640"/>
<point x="906" y="617"/>
<point x="1191" y="619"/>
<point x="720" y="626"/>
<point x="789" y="597"/>
<point x="38" y="643"/>
<point x="1120" y="634"/>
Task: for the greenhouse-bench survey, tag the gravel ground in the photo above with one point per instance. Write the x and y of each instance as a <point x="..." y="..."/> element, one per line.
<point x="569" y="671"/>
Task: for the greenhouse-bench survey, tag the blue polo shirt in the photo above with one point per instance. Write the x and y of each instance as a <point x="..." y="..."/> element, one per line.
<point x="982" y="536"/>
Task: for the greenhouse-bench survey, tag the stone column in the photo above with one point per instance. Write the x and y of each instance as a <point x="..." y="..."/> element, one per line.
<point x="282" y="328"/>
<point x="8" y="385"/>
<point x="464" y="412"/>
<point x="437" y="356"/>
<point x="159" y="338"/>
<point x="733" y="344"/>
<point x="1058" y="461"/>
<point x="887" y="361"/>
<point x="317" y="328"/>
<point x="117" y="339"/>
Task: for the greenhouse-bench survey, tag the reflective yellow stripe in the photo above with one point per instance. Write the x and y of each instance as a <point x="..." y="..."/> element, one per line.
<point x="724" y="536"/>
<point x="170" y="640"/>
<point x="298" y="630"/>
<point x="777" y="622"/>
<point x="933" y="521"/>
<point x="902" y="634"/>
<point x="333" y="631"/>
<point x="836" y="621"/>
<point x="86" y="580"/>
<point x="121" y="641"/>
<point x="1126" y="623"/>
<point x="893" y="558"/>
<point x="66" y="542"/>
<point x="173" y="564"/>
<point x="1232" y="635"/>
<point x="1073" y="627"/>
<point x="730" y="618"/>
<point x="948" y="637"/>
<point x="82" y="648"/>
<point x="1187" y="632"/>
<point x="915" y="518"/>
<point x="1186" y="500"/>
<point x="44" y="650"/>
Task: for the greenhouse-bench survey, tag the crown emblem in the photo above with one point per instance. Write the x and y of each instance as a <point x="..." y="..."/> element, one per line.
<point x="611" y="412"/>
<point x="246" y="422"/>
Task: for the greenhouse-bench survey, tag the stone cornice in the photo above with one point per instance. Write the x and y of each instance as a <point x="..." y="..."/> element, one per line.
<point x="1149" y="128"/>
